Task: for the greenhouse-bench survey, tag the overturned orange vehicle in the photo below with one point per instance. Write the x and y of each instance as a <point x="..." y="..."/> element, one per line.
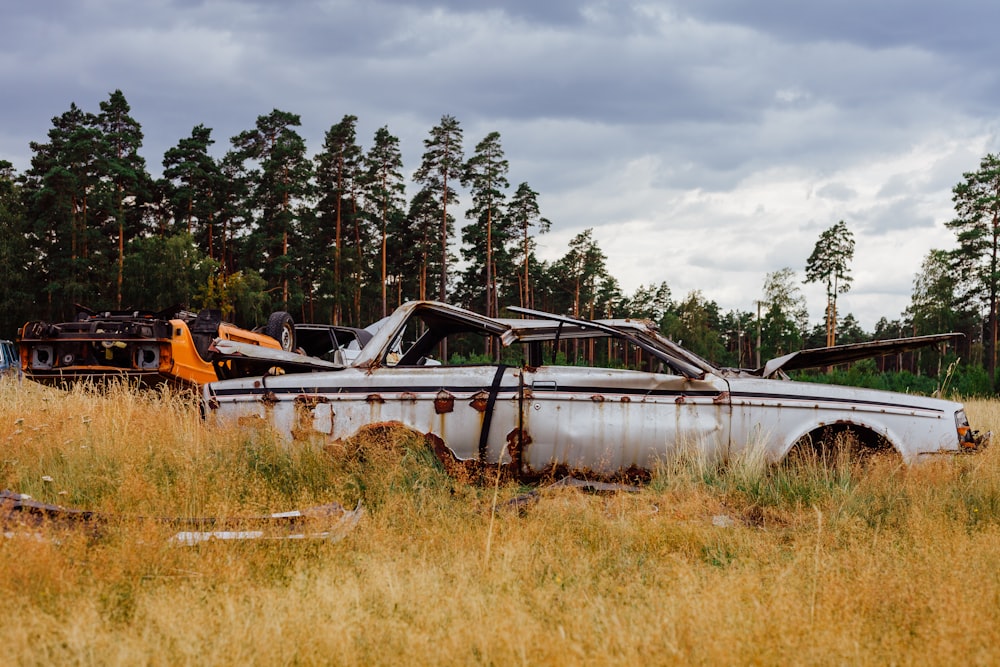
<point x="170" y="346"/>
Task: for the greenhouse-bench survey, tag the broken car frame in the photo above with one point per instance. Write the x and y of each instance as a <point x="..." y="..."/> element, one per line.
<point x="534" y="418"/>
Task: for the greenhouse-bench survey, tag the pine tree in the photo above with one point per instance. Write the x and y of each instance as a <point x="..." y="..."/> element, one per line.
<point x="524" y="214"/>
<point x="385" y="192"/>
<point x="485" y="241"/>
<point x="829" y="264"/>
<point x="975" y="261"/>
<point x="442" y="165"/>
<point x="338" y="172"/>
<point x="196" y="184"/>
<point x="423" y="228"/>
<point x="121" y="140"/>
<point x="63" y="174"/>
<point x="16" y="256"/>
<point x="284" y="183"/>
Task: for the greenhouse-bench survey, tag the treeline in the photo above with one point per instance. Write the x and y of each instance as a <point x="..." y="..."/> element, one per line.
<point x="336" y="237"/>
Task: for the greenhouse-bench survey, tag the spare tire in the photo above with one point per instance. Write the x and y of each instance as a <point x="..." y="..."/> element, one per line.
<point x="281" y="328"/>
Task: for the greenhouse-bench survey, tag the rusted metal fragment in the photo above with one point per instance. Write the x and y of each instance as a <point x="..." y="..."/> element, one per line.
<point x="475" y="470"/>
<point x="517" y="440"/>
<point x="20" y="512"/>
<point x="524" y="500"/>
<point x="722" y="398"/>
<point x="330" y="523"/>
<point x="374" y="398"/>
<point x="469" y="470"/>
<point x="597" y="398"/>
<point x="630" y="475"/>
<point x="444" y="402"/>
<point x="408" y="396"/>
<point x="269" y="398"/>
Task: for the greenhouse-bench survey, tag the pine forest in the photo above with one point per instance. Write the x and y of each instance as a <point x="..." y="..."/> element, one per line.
<point x="346" y="234"/>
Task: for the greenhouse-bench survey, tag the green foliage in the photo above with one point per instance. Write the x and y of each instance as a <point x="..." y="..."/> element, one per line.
<point x="785" y="318"/>
<point x="975" y="261"/>
<point x="830" y="259"/>
<point x="16" y="256"/>
<point x="162" y="271"/>
<point x="385" y="196"/>
<point x="242" y="297"/>
<point x="485" y="242"/>
<point x="578" y="282"/>
<point x="695" y="324"/>
<point x="283" y="182"/>
<point x="442" y="165"/>
<point x="829" y="264"/>
<point x="194" y="187"/>
<point x="333" y="234"/>
<point x="523" y="213"/>
<point x="967" y="380"/>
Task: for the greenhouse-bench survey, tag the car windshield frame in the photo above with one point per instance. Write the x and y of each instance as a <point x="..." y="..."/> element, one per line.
<point x="442" y="320"/>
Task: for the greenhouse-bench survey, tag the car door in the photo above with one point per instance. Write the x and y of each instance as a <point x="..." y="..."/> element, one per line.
<point x="472" y="409"/>
<point x="609" y="421"/>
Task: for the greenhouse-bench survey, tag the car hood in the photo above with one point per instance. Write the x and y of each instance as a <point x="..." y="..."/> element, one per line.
<point x="842" y="354"/>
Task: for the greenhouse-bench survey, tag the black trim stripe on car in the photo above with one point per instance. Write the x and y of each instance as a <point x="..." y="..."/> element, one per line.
<point x="575" y="389"/>
<point x="427" y="389"/>
<point x="805" y="398"/>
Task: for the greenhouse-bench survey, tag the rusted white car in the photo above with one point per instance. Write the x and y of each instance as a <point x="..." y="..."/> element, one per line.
<point x="524" y="402"/>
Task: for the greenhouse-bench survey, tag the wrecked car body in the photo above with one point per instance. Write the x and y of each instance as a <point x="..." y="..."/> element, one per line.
<point x="169" y="346"/>
<point x="534" y="412"/>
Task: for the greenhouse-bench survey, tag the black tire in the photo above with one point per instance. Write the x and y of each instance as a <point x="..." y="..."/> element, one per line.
<point x="281" y="328"/>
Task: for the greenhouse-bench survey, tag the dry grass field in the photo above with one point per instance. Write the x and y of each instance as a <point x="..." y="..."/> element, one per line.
<point x="741" y="564"/>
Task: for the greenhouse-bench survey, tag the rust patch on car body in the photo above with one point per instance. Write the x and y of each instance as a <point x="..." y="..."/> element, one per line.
<point x="310" y="400"/>
<point x="444" y="402"/>
<point x="480" y="401"/>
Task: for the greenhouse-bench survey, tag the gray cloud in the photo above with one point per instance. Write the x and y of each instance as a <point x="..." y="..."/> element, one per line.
<point x="706" y="142"/>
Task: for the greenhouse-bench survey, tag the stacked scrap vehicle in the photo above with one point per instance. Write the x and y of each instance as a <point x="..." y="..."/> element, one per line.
<point x="172" y="346"/>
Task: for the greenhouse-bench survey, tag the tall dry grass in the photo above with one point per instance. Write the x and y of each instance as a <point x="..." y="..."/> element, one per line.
<point x="734" y="564"/>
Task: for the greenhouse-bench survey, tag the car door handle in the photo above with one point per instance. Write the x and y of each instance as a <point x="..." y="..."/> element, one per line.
<point x="544" y="385"/>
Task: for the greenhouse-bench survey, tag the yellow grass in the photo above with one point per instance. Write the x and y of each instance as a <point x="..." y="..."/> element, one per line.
<point x="743" y="564"/>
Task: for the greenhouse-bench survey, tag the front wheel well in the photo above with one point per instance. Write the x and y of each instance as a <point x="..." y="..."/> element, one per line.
<point x="840" y="440"/>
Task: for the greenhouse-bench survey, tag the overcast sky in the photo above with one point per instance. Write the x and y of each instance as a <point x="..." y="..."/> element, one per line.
<point x="707" y="142"/>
